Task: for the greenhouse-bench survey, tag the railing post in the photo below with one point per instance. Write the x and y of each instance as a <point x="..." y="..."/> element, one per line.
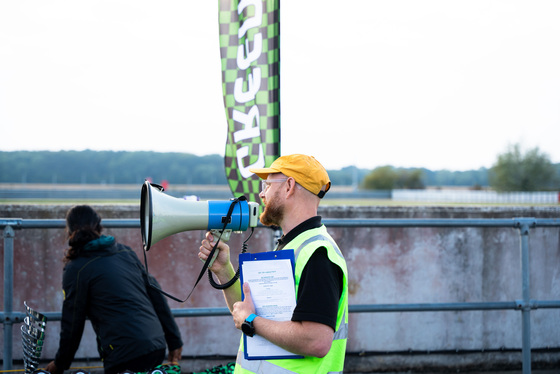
<point x="524" y="226"/>
<point x="8" y="295"/>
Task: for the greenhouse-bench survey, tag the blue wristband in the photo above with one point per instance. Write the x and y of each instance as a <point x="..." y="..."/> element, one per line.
<point x="251" y="317"/>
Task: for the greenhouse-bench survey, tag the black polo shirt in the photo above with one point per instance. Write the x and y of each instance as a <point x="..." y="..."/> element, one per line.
<point x="320" y="286"/>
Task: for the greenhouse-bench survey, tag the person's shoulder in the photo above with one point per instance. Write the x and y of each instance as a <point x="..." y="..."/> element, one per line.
<point x="76" y="262"/>
<point x="124" y="250"/>
<point x="73" y="267"/>
<point x="122" y="247"/>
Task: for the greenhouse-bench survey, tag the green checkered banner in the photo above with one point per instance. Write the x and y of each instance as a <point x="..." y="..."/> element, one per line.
<point x="250" y="55"/>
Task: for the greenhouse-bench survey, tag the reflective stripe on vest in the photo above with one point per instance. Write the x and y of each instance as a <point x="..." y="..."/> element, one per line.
<point x="315" y="238"/>
<point x="342" y="332"/>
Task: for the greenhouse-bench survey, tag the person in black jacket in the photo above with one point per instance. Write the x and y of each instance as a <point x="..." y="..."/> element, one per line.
<point x="105" y="281"/>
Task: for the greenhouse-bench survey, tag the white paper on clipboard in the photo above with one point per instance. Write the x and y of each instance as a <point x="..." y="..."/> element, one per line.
<point x="271" y="278"/>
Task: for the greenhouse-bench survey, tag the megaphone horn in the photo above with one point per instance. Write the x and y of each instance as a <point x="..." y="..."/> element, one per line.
<point x="162" y="215"/>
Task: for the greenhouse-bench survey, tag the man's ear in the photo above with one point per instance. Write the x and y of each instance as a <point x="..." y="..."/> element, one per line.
<point x="291" y="186"/>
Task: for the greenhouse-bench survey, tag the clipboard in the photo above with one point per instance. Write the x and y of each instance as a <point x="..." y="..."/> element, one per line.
<point x="272" y="280"/>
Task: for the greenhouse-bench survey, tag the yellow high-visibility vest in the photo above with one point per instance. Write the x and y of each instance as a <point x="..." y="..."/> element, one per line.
<point x="304" y="245"/>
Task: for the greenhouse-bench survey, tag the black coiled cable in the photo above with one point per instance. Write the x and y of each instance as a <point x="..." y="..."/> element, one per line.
<point x="232" y="281"/>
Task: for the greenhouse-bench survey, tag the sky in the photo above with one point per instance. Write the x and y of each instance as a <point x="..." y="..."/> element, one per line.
<point x="411" y="83"/>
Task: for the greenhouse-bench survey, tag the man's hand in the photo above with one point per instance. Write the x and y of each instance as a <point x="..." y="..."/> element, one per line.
<point x="222" y="260"/>
<point x="222" y="268"/>
<point x="242" y="309"/>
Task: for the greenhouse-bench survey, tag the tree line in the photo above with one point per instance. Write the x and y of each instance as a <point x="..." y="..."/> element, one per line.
<point x="514" y="170"/>
<point x="109" y="167"/>
<point x="124" y="167"/>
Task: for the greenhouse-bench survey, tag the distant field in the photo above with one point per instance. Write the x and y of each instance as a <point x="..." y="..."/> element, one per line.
<point x="332" y="202"/>
<point x="130" y="194"/>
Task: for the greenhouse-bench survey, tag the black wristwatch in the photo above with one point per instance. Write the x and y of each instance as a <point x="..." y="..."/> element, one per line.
<point x="247" y="326"/>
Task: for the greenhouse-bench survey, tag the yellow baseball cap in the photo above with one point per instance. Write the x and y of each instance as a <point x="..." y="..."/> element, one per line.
<point x="306" y="170"/>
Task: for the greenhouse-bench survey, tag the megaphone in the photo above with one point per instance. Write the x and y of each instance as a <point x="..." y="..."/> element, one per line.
<point x="162" y="215"/>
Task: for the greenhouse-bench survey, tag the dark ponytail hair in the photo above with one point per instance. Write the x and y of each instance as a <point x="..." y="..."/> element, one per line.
<point x="83" y="225"/>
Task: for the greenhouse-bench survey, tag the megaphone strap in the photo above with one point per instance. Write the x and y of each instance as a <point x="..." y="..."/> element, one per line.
<point x="205" y="266"/>
<point x="232" y="281"/>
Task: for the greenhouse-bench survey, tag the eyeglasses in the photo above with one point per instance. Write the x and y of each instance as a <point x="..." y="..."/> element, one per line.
<point x="266" y="183"/>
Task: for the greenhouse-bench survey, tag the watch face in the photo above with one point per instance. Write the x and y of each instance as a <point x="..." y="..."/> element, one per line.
<point x="248" y="329"/>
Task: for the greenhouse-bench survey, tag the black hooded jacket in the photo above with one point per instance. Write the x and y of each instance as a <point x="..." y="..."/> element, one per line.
<point x="108" y="285"/>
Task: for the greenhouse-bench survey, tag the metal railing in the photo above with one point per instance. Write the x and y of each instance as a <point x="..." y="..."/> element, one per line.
<point x="8" y="317"/>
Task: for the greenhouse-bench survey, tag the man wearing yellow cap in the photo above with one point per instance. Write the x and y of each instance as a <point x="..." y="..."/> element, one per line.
<point x="292" y="189"/>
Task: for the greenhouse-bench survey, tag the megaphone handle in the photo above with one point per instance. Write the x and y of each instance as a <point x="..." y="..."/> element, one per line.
<point x="223" y="236"/>
<point x="232" y="281"/>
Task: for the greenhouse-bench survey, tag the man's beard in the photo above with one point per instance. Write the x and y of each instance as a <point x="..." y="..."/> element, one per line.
<point x="273" y="213"/>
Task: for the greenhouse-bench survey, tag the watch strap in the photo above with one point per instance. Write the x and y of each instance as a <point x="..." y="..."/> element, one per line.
<point x="251" y="317"/>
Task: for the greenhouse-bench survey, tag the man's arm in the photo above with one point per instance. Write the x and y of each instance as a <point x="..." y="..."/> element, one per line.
<point x="300" y="337"/>
<point x="222" y="268"/>
<point x="303" y="338"/>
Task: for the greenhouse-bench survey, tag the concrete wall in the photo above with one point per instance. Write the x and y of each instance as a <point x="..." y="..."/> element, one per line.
<point x="386" y="266"/>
